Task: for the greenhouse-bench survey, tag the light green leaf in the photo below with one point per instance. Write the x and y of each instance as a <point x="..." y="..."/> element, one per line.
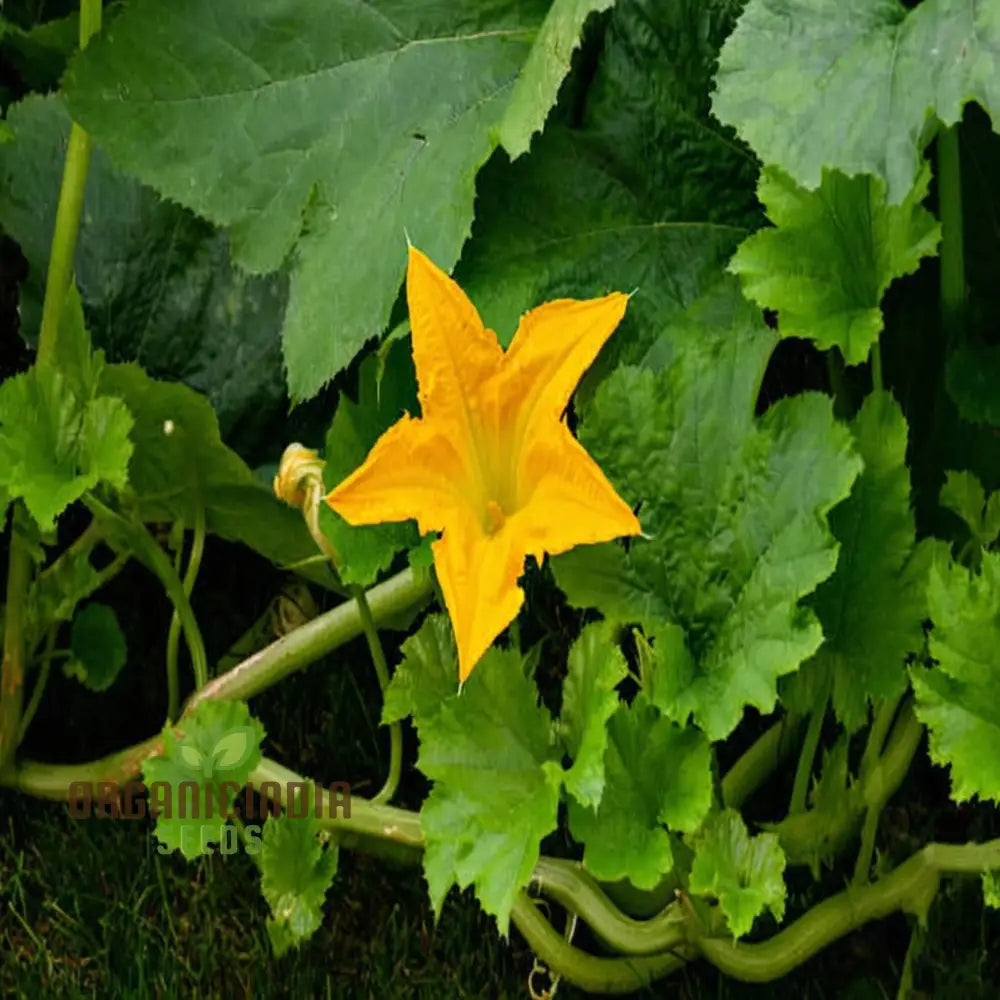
<point x="956" y="700"/>
<point x="233" y="749"/>
<point x="548" y="62"/>
<point x="55" y="446"/>
<point x="308" y="130"/>
<point x="852" y="86"/>
<point x="991" y="889"/>
<point x="383" y="397"/>
<point x="596" y="666"/>
<point x="834" y="253"/>
<point x="734" y="509"/>
<point x="98" y="647"/>
<point x="192" y="756"/>
<point x="297" y="870"/>
<point x="963" y="494"/>
<point x="428" y="675"/>
<point x="186" y="756"/>
<point x="492" y="755"/>
<point x="873" y="607"/>
<point x="745" y="874"/>
<point x="656" y="775"/>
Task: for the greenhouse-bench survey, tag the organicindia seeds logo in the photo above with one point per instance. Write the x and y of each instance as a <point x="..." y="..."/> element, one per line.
<point x="195" y="800"/>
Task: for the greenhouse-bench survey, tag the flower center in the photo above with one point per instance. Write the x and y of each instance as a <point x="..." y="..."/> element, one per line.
<point x="495" y="517"/>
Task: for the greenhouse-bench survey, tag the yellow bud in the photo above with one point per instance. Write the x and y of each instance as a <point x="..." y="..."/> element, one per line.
<point x="298" y="468"/>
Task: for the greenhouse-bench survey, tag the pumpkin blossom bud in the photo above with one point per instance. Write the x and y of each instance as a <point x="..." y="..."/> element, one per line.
<point x="300" y="468"/>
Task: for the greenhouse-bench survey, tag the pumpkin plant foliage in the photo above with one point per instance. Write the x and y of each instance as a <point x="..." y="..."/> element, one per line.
<point x="543" y="270"/>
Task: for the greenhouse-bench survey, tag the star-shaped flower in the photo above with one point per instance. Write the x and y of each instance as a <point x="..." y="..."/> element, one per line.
<point x="490" y="463"/>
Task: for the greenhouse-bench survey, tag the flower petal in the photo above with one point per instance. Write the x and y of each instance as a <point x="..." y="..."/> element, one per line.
<point x="572" y="502"/>
<point x="411" y="472"/>
<point x="478" y="575"/>
<point x="554" y="345"/>
<point x="452" y="350"/>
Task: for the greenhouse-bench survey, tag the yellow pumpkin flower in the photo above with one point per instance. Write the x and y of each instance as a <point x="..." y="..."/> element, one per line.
<point x="490" y="463"/>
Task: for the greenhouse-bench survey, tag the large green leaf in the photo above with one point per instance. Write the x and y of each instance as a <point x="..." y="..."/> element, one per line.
<point x="319" y="133"/>
<point x="647" y="195"/>
<point x="834" y="253"/>
<point x="853" y="85"/>
<point x="733" y="508"/>
<point x="957" y="699"/>
<point x="745" y="874"/>
<point x="658" y="775"/>
<point x="156" y="282"/>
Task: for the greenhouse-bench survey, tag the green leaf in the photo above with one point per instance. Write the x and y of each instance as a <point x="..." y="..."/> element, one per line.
<point x="232" y="750"/>
<point x="98" y="646"/>
<point x="180" y="462"/>
<point x="834" y="253"/>
<point x="873" y="607"/>
<point x="745" y="874"/>
<point x="956" y="700"/>
<point x="963" y="494"/>
<point x="383" y="397"/>
<point x="57" y="591"/>
<point x="548" y="62"/>
<point x="297" y="870"/>
<point x="156" y="282"/>
<point x="55" y="446"/>
<point x="187" y="756"/>
<point x="853" y="86"/>
<point x="656" y="775"/>
<point x="309" y="131"/>
<point x="596" y="666"/>
<point x="428" y="675"/>
<point x="648" y="195"/>
<point x="733" y="507"/>
<point x="492" y="755"/>
<point x="991" y="889"/>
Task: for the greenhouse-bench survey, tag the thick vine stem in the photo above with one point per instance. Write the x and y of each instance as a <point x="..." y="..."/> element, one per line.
<point x="911" y="888"/>
<point x="292" y="652"/>
<point x="609" y="976"/>
<point x="68" y="211"/>
<point x="573" y="888"/>
<point x="13" y="668"/>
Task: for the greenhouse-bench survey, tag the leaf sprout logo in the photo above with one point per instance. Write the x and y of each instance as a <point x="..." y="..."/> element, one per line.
<point x="229" y="753"/>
